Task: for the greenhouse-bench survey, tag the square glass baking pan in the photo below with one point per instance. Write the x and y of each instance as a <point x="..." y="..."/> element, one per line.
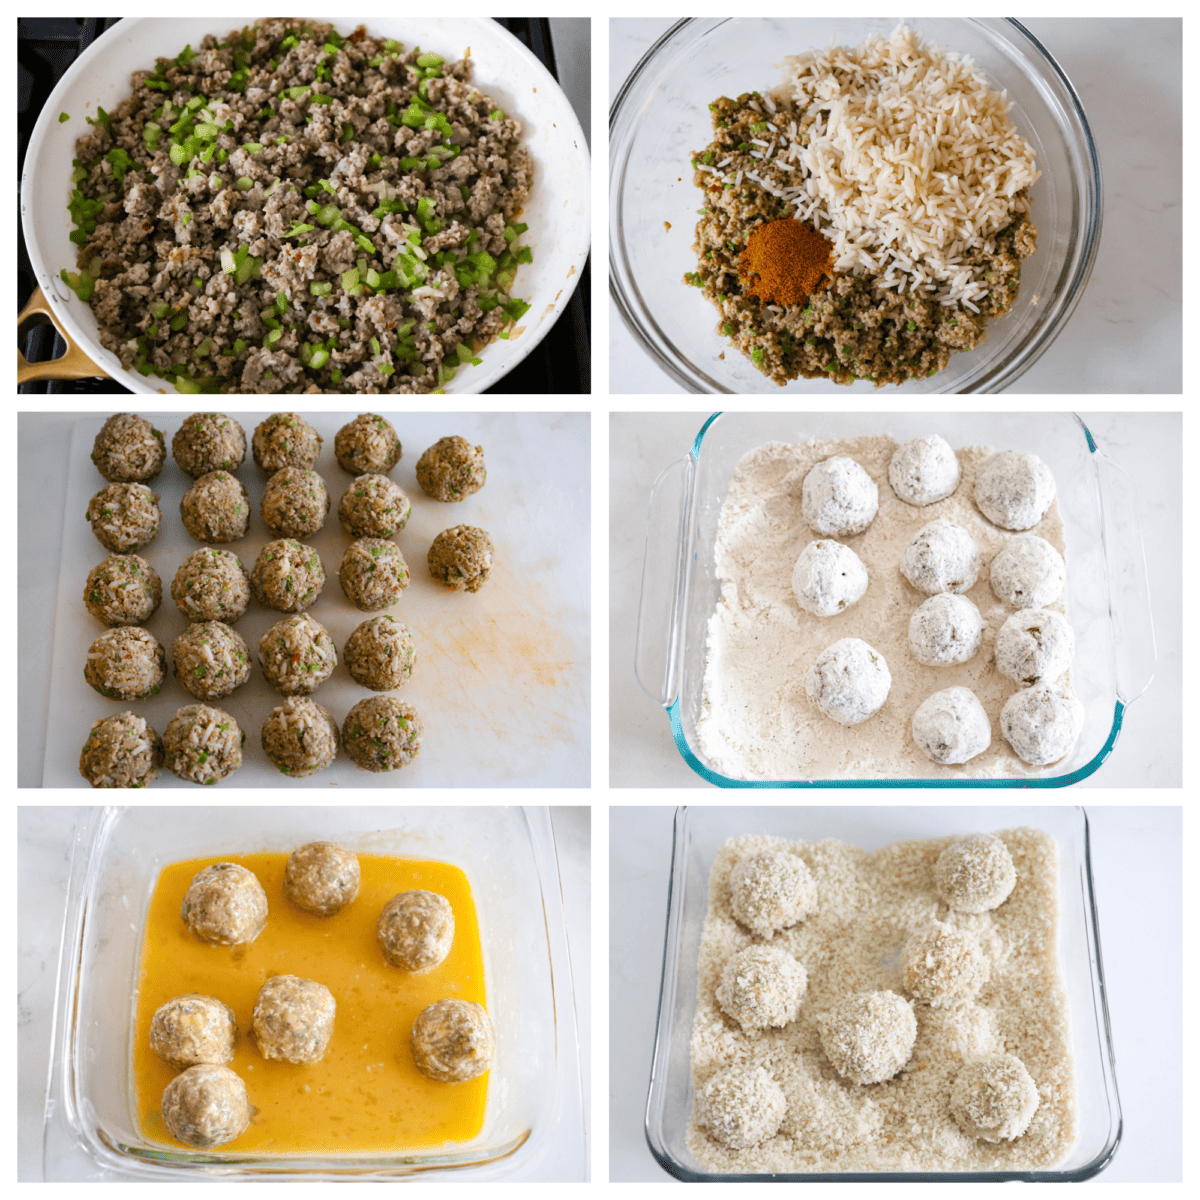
<point x="700" y="833"/>
<point x="1107" y="594"/>
<point x="509" y="858"/>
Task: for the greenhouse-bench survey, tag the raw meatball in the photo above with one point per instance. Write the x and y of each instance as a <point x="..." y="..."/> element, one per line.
<point x="1028" y="573"/>
<point x="849" y="681"/>
<point x="924" y="471"/>
<point x="124" y="517"/>
<point x="741" y="1107"/>
<point x="287" y="577"/>
<point x="839" y="498"/>
<point x="416" y="930"/>
<point x="451" y="469"/>
<point x="209" y="442"/>
<point x="975" y="874"/>
<point x="374" y="506"/>
<point x="380" y="654"/>
<point x="868" y="1037"/>
<point x="121" y="752"/>
<point x="368" y="443"/>
<point x="1041" y="723"/>
<point x="216" y="508"/>
<point x="373" y="574"/>
<point x="225" y="905"/>
<point x="771" y="891"/>
<point x="286" y="440"/>
<point x="761" y="987"/>
<point x="944" y="965"/>
<point x="452" y="1041"/>
<point x="951" y="726"/>
<point x="126" y="664"/>
<point x="942" y="557"/>
<point x="321" y="878"/>
<point x="211" y="660"/>
<point x="128" y="449"/>
<point x="1014" y="490"/>
<point x="827" y="578"/>
<point x="461" y="558"/>
<point x="994" y="1098"/>
<point x="1034" y="646"/>
<point x="945" y="630"/>
<point x="300" y="737"/>
<point x="193" y="1029"/>
<point x="206" y="1106"/>
<point x="297" y="655"/>
<point x="382" y="733"/>
<point x="123" y="590"/>
<point x="203" y="744"/>
<point x="295" y="503"/>
<point x="293" y="1019"/>
<point x="211" y="585"/>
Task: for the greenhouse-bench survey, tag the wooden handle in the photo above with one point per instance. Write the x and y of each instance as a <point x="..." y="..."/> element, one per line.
<point x="73" y="365"/>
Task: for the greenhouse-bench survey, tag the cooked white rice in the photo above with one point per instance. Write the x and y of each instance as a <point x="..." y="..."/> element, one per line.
<point x="911" y="161"/>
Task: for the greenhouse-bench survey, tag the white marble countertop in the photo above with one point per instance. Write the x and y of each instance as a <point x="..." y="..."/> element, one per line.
<point x="1126" y="334"/>
<point x="1149" y="752"/>
<point x="1137" y="862"/>
<point x="43" y="840"/>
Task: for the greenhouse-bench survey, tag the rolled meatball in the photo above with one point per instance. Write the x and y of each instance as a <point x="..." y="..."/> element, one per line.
<point x="772" y="891"/>
<point x="839" y="498"/>
<point x="225" y="905"/>
<point x="293" y="1019"/>
<point x="951" y="726"/>
<point x="741" y="1106"/>
<point x="416" y="930"/>
<point x="975" y="874"/>
<point x="382" y="733"/>
<point x="295" y="503"/>
<point x="288" y="576"/>
<point x="827" y="578"/>
<point x="946" y="629"/>
<point x="451" y="470"/>
<point x="128" y="663"/>
<point x="367" y="445"/>
<point x="942" y="557"/>
<point x="461" y="558"/>
<point x="374" y="506"/>
<point x="381" y="654"/>
<point x="321" y="878"/>
<point x="297" y="655"/>
<point x="1035" y="645"/>
<point x="849" y="681"/>
<point x="452" y="1041"/>
<point x="994" y="1098"/>
<point x="868" y="1037"/>
<point x="211" y="585"/>
<point x="1014" y="490"/>
<point x="121" y="751"/>
<point x="1028" y="573"/>
<point x="924" y="471"/>
<point x="193" y="1029"/>
<point x="123" y="590"/>
<point x="761" y="987"/>
<point x="203" y="744"/>
<point x="373" y="574"/>
<point x="125" y="517"/>
<point x="286" y="440"/>
<point x="206" y="1106"/>
<point x="1041" y="723"/>
<point x="211" y="660"/>
<point x="209" y="442"/>
<point x="128" y="449"/>
<point x="300" y="737"/>
<point x="216" y="508"/>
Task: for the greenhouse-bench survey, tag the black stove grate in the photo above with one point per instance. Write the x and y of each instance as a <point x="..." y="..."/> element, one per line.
<point x="46" y="47"/>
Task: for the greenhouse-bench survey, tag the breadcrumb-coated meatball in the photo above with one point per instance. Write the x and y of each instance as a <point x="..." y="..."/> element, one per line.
<point x="975" y="874"/>
<point x="741" y="1106"/>
<point x="761" y="987"/>
<point x="451" y="469"/>
<point x="416" y="930"/>
<point x="321" y="877"/>
<point x="944" y="965"/>
<point x="225" y="905"/>
<point x="452" y="1041"/>
<point x="869" y="1036"/>
<point x="771" y="891"/>
<point x="994" y="1098"/>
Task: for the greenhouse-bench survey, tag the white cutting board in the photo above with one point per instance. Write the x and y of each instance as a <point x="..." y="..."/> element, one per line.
<point x="502" y="679"/>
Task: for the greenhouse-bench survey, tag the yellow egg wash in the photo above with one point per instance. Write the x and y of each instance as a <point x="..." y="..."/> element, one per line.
<point x="366" y="1094"/>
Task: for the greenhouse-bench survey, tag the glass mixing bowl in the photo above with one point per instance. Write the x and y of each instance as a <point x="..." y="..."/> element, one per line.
<point x="660" y="118"/>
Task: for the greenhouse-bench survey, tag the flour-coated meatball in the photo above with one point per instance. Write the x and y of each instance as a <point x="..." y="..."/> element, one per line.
<point x="322" y="878"/>
<point x="828" y="578"/>
<point x="293" y="1019"/>
<point x="839" y="498"/>
<point x="1014" y="490"/>
<point x="416" y="930"/>
<point x="1035" y="645"/>
<point x="924" y="471"/>
<point x="452" y="1041"/>
<point x="193" y="1029"/>
<point x="849" y="681"/>
<point x="1041" y="723"/>
<point x="1028" y="573"/>
<point x="206" y="1106"/>
<point x="225" y="905"/>
<point x="951" y="726"/>
<point x="941" y="557"/>
<point x="945" y="630"/>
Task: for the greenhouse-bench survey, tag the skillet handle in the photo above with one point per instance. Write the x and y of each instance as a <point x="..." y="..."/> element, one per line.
<point x="73" y="365"/>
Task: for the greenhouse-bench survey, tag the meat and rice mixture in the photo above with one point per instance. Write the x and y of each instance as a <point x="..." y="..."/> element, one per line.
<point x="291" y="211"/>
<point x="902" y="158"/>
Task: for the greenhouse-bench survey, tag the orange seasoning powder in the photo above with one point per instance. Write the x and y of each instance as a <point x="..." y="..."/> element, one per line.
<point x="784" y="261"/>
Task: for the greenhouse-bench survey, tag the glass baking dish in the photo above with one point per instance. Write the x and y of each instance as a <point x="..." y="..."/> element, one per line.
<point x="508" y="856"/>
<point x="1107" y="592"/>
<point x="699" y="834"/>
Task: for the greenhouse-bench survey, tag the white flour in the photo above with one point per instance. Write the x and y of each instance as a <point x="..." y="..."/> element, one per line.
<point x="756" y="721"/>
